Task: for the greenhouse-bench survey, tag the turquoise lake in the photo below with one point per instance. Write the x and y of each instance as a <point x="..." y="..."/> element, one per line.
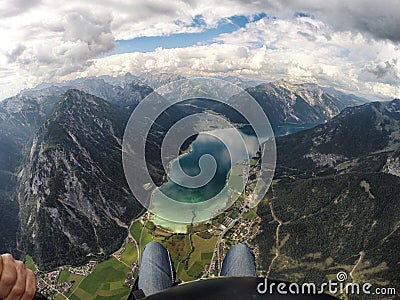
<point x="206" y="144"/>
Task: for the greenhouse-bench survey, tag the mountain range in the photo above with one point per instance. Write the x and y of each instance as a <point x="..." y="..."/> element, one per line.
<point x="62" y="187"/>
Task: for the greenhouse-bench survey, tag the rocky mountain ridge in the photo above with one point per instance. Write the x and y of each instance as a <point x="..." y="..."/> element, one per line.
<point x="300" y="103"/>
<point x="73" y="195"/>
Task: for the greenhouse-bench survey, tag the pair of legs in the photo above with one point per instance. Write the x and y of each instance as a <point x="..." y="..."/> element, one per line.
<point x="157" y="272"/>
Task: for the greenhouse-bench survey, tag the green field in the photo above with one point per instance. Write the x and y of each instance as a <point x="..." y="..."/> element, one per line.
<point x="136" y="229"/>
<point x="196" y="269"/>
<point x="203" y="250"/>
<point x="182" y="274"/>
<point x="179" y="247"/>
<point x="108" y="277"/>
<point x="146" y="237"/>
<point x="30" y="264"/>
<point x="206" y="256"/>
<point x="200" y="227"/>
<point x="143" y="234"/>
<point x="64" y="276"/>
<point x="130" y="255"/>
<point x="251" y="214"/>
<point x="106" y="282"/>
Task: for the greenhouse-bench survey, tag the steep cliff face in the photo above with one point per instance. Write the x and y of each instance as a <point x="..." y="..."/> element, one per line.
<point x="20" y="117"/>
<point x="125" y="91"/>
<point x="74" y="200"/>
<point x="156" y="80"/>
<point x="300" y="103"/>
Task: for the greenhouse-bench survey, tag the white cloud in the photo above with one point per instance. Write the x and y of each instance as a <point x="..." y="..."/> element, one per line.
<point x="76" y="38"/>
<point x="44" y="40"/>
<point x="379" y="19"/>
<point x="16" y="7"/>
<point x="349" y="44"/>
<point x="299" y="50"/>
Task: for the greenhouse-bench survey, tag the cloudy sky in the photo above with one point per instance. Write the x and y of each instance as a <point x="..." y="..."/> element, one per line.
<point x="353" y="45"/>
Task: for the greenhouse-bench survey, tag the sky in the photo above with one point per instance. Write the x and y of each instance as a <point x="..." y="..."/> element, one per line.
<point x="352" y="45"/>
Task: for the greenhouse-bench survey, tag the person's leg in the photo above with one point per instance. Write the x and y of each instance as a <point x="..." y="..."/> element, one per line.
<point x="239" y="262"/>
<point x="157" y="271"/>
